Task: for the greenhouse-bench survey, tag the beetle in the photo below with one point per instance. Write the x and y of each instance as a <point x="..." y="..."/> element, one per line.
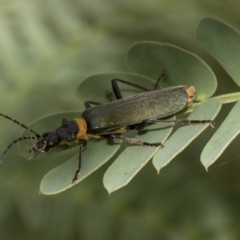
<point x="112" y="119"/>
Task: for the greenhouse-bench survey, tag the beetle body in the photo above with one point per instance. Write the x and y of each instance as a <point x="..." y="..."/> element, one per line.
<point x="135" y="109"/>
<point x="110" y="120"/>
<point x="118" y="116"/>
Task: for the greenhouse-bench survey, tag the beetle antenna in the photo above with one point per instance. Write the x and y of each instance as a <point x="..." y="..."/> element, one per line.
<point x="10" y="145"/>
<point x="22" y="125"/>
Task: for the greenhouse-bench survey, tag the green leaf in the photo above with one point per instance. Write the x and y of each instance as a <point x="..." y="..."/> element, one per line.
<point x="94" y="87"/>
<point x="135" y="157"/>
<point x="186" y="134"/>
<point x="223" y="43"/>
<point x="224" y="135"/>
<point x="183" y="67"/>
<point x="94" y="156"/>
<point x="98" y="152"/>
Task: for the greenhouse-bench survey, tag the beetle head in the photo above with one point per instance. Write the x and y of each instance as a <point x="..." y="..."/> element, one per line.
<point x="47" y="141"/>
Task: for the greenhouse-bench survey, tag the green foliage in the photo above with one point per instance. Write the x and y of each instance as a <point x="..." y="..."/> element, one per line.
<point x="47" y="48"/>
<point x="223" y="43"/>
<point x="225" y="134"/>
<point x="134" y="158"/>
<point x="185" y="68"/>
<point x="186" y="134"/>
<point x="149" y="59"/>
<point x="60" y="178"/>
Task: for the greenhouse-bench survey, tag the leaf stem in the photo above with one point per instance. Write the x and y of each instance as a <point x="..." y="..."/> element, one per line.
<point x="225" y="98"/>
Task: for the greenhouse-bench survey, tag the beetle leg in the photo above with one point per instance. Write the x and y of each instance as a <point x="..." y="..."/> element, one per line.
<point x="134" y="140"/>
<point x="82" y="143"/>
<point x="160" y="78"/>
<point x="183" y="121"/>
<point x="116" y="89"/>
<point x="139" y="126"/>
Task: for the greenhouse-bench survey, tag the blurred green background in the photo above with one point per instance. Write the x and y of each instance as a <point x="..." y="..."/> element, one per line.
<point x="47" y="48"/>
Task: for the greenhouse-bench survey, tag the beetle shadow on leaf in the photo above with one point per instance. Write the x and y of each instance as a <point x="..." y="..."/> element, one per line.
<point x="144" y="131"/>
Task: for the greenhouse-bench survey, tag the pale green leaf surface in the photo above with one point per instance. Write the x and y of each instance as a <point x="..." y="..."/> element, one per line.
<point x="183" y="67"/>
<point x="223" y="43"/>
<point x="224" y="135"/>
<point x="186" y="134"/>
<point x="94" y="87"/>
<point x="134" y="157"/>
<point x="94" y="156"/>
